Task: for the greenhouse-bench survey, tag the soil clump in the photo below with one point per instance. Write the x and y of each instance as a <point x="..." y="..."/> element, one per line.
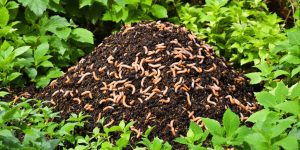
<point x="155" y="74"/>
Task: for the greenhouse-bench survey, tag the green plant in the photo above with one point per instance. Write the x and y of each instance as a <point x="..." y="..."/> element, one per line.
<point x="242" y="31"/>
<point x="194" y="137"/>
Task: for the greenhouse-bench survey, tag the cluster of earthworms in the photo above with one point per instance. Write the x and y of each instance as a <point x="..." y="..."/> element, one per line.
<point x="166" y="71"/>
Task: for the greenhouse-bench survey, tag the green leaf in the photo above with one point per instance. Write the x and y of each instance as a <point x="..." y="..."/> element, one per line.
<point x="257" y="141"/>
<point x="83" y="3"/>
<point x="42" y="82"/>
<point x="13" y="76"/>
<point x="157" y="143"/>
<point x="82" y="35"/>
<point x="295" y="71"/>
<point x="281" y="127"/>
<point x="46" y="64"/>
<point x="54" y="73"/>
<point x="104" y="2"/>
<point x="290" y="107"/>
<point x="266" y="99"/>
<point x="293" y="36"/>
<point x="36" y="6"/>
<point x="231" y="122"/>
<point x="21" y="50"/>
<point x="3" y="93"/>
<point x="32" y="72"/>
<point x="4" y="16"/>
<point x="289" y="58"/>
<point x="278" y="73"/>
<point x="159" y="11"/>
<point x="281" y="92"/>
<point x="213" y="126"/>
<point x="255" y="77"/>
<point x="12" y="5"/>
<point x="259" y="116"/>
<point x="289" y="143"/>
<point x="295" y="91"/>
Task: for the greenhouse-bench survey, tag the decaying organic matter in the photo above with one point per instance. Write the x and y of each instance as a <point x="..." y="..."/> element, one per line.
<point x="156" y="74"/>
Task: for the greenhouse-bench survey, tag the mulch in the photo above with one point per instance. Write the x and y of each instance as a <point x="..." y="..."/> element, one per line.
<point x="155" y="74"/>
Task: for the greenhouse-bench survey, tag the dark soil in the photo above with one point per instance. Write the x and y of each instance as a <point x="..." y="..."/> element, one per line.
<point x="176" y="80"/>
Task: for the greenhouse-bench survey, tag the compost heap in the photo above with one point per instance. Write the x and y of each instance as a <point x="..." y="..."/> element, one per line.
<point x="155" y="74"/>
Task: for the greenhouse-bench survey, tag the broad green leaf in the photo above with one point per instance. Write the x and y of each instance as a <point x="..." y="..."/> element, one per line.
<point x="289" y="143"/>
<point x="104" y="2"/>
<point x="32" y="72"/>
<point x="194" y="132"/>
<point x="266" y="99"/>
<point x="54" y="73"/>
<point x="181" y="140"/>
<point x="159" y="11"/>
<point x="8" y="138"/>
<point x="83" y="3"/>
<point x="42" y="82"/>
<point x="295" y="90"/>
<point x="213" y="126"/>
<point x="82" y="35"/>
<point x="282" y="126"/>
<point x="290" y="107"/>
<point x="255" y="77"/>
<point x="147" y="132"/>
<point x="259" y="116"/>
<point x="257" y="141"/>
<point x="278" y="73"/>
<point x="8" y="115"/>
<point x="123" y="141"/>
<point x="21" y="50"/>
<point x="293" y="36"/>
<point x="231" y="122"/>
<point x="13" y="76"/>
<point x="290" y="58"/>
<point x="36" y="6"/>
<point x="295" y="71"/>
<point x="167" y="146"/>
<point x="46" y="64"/>
<point x="157" y="143"/>
<point x="3" y="93"/>
<point x="281" y="92"/>
<point x="4" y="16"/>
<point x="12" y="5"/>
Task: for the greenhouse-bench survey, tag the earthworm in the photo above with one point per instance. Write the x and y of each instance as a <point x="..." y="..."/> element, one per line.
<point x="185" y="88"/>
<point x="141" y="101"/>
<point x="192" y="37"/>
<point x="232" y="101"/>
<point x="172" y="128"/>
<point x="132" y="87"/>
<point x="175" y="41"/>
<point x="151" y="53"/>
<point x="215" y="79"/>
<point x="191" y="65"/>
<point x="188" y="98"/>
<point x="124" y="101"/>
<point x="177" y="87"/>
<point x="99" y="117"/>
<point x="106" y="100"/>
<point x="54" y="93"/>
<point x="209" y="101"/>
<point x="110" y="59"/>
<point x="83" y="76"/>
<point x="53" y="83"/>
<point x="148" y="116"/>
<point x="150" y="96"/>
<point x="210" y="69"/>
<point x="51" y="101"/>
<point x="110" y="123"/>
<point x="138" y="132"/>
<point x="158" y="59"/>
<point x="157" y="80"/>
<point x="101" y="69"/>
<point x="193" y="83"/>
<point x="146" y="90"/>
<point x="168" y="53"/>
<point x="166" y="90"/>
<point x="66" y="93"/>
<point x="91" y="66"/>
<point x="165" y="100"/>
<point x="127" y="29"/>
<point x="142" y="82"/>
<point x="107" y="108"/>
<point x="173" y="72"/>
<point x="77" y="100"/>
<point x="154" y="65"/>
<point x="183" y="71"/>
<point x="179" y="82"/>
<point x="191" y="114"/>
<point x="156" y="90"/>
<point x="196" y="119"/>
<point x="72" y="68"/>
<point x="198" y="69"/>
<point x="146" y="49"/>
<point x="141" y="66"/>
<point x="242" y="117"/>
<point x="120" y="74"/>
<point x="119" y="82"/>
<point x="88" y="107"/>
<point x="95" y="77"/>
<point x="87" y="92"/>
<point x="126" y="66"/>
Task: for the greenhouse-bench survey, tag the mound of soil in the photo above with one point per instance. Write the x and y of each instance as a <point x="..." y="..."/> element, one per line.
<point x="156" y="74"/>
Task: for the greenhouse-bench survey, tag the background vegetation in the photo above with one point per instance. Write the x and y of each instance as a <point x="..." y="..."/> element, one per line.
<point x="39" y="39"/>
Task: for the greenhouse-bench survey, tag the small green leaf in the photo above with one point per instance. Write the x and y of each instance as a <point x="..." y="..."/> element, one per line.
<point x="3" y="93"/>
<point x="281" y="92"/>
<point x="12" y="5"/>
<point x="293" y="36"/>
<point x="159" y="11"/>
<point x="54" y="73"/>
<point x="295" y="91"/>
<point x="83" y="3"/>
<point x="290" y="107"/>
<point x="288" y="142"/>
<point x="4" y="16"/>
<point x="46" y="64"/>
<point x="42" y="82"/>
<point x="231" y="122"/>
<point x="266" y="99"/>
<point x="213" y="126"/>
<point x="82" y="35"/>
<point x="278" y="73"/>
<point x="13" y="76"/>
<point x="21" y="50"/>
<point x="36" y="6"/>
<point x="255" y="77"/>
<point x="295" y="71"/>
